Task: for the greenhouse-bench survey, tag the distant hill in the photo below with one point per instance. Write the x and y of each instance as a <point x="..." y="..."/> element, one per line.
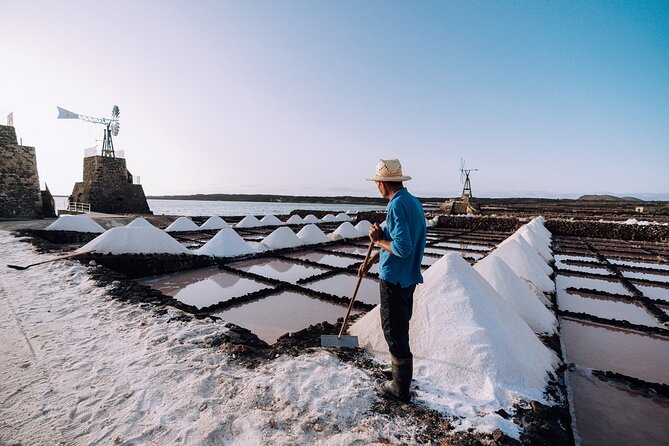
<point x="606" y="198"/>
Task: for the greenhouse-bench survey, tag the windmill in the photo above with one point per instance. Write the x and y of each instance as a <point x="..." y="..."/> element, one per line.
<point x="112" y="127"/>
<point x="464" y="174"/>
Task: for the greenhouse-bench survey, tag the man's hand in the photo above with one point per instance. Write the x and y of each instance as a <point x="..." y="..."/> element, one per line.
<point x="375" y="233"/>
<point x="364" y="268"/>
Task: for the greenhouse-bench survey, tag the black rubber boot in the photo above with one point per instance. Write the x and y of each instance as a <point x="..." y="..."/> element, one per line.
<point x="398" y="388"/>
<point x="387" y="372"/>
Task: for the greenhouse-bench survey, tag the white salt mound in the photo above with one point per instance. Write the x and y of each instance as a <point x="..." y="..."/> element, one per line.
<point x="182" y="224"/>
<point x="311" y="235"/>
<point x="294" y="220"/>
<point x="363" y="227"/>
<point x="342" y="217"/>
<point x="519" y="258"/>
<point x="328" y="218"/>
<point x="129" y="240"/>
<point x="631" y="221"/>
<point x="226" y="243"/>
<point x="281" y="238"/>
<point x="344" y="231"/>
<point x="531" y="252"/>
<point x="139" y="222"/>
<point x="270" y="220"/>
<point x="516" y="294"/>
<point x="75" y="223"/>
<point x="537" y="242"/>
<point x="214" y="222"/>
<point x="250" y="221"/>
<point x="472" y="353"/>
<point x="538" y="225"/>
<point x="311" y="218"/>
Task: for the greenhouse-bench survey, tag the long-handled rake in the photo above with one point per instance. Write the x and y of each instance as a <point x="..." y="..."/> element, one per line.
<point x="340" y="340"/>
<point x="69" y="256"/>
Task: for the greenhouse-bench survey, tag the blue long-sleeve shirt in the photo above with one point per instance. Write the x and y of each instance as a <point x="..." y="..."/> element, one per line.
<point x="405" y="226"/>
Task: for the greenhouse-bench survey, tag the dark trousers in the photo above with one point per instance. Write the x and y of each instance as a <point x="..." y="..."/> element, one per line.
<point x="396" y="309"/>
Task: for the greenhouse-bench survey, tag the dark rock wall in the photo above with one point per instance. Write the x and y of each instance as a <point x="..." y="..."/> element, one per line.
<point x="20" y="195"/>
<point x="108" y="187"/>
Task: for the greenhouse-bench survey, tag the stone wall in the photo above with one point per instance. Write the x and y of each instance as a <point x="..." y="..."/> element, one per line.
<point x="108" y="187"/>
<point x="20" y="195"/>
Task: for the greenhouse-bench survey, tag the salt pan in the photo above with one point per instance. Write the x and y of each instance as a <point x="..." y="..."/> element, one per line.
<point x="214" y="222"/>
<point x="311" y="235"/>
<point x="344" y="231"/>
<point x="516" y="293"/>
<point x="281" y="238"/>
<point x="139" y="222"/>
<point x="182" y="224"/>
<point x="472" y="353"/>
<point x="294" y="220"/>
<point x="311" y="218"/>
<point x="129" y="240"/>
<point x="226" y="243"/>
<point x="250" y="221"/>
<point x="75" y="223"/>
<point x="270" y="220"/>
<point x="519" y="259"/>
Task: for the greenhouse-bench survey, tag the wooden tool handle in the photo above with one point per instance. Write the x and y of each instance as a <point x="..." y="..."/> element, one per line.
<point x="355" y="293"/>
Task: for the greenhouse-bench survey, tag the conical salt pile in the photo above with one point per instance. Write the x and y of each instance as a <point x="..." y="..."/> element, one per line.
<point x="226" y="243"/>
<point x="344" y="231"/>
<point x="250" y="221"/>
<point x="281" y="238"/>
<point x="516" y="294"/>
<point x="139" y="222"/>
<point x="270" y="220"/>
<point x="311" y="218"/>
<point x="538" y="224"/>
<point x="182" y="224"/>
<point x="525" y="263"/>
<point x="342" y="217"/>
<point x="311" y="235"/>
<point x="472" y="353"/>
<point x="363" y="227"/>
<point x="75" y="223"/>
<point x="125" y="240"/>
<point x="214" y="222"/>
<point x="294" y="220"/>
<point x="328" y="218"/>
<point x="537" y="242"/>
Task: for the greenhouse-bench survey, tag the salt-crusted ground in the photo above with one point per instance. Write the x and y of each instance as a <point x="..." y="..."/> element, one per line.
<point x="80" y="368"/>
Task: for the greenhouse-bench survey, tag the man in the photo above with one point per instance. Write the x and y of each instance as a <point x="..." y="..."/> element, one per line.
<point x="401" y="245"/>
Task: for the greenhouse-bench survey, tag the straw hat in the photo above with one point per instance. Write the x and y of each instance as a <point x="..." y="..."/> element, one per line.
<point x="389" y="170"/>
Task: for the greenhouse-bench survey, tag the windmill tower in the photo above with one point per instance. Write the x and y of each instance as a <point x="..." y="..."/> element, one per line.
<point x="108" y="185"/>
<point x="467" y="187"/>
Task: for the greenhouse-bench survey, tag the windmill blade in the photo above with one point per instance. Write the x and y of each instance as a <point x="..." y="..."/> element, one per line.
<point x="66" y="114"/>
<point x="116" y="126"/>
<point x="115" y="112"/>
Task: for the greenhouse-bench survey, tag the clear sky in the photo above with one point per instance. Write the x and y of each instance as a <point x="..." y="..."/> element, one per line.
<point x="545" y="98"/>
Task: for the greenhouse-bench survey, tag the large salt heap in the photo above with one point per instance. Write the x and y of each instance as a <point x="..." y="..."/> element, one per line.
<point x="134" y="240"/>
<point x="523" y="261"/>
<point x="139" y="222"/>
<point x="250" y="221"/>
<point x="182" y="224"/>
<point x="311" y="218"/>
<point x="516" y="294"/>
<point x="271" y="220"/>
<point x="342" y="216"/>
<point x="329" y="218"/>
<point x="363" y="227"/>
<point x="214" y="222"/>
<point x="295" y="220"/>
<point x="75" y="223"/>
<point x="537" y="241"/>
<point x="472" y="353"/>
<point x="311" y="235"/>
<point x="226" y="243"/>
<point x="344" y="231"/>
<point x="281" y="238"/>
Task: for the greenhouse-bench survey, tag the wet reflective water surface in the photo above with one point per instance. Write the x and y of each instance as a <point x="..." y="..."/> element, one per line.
<point x="203" y="287"/>
<point x="607" y="308"/>
<point x="343" y="285"/>
<point x="636" y="420"/>
<point x="275" y="315"/>
<point x="278" y="269"/>
<point x="326" y="259"/>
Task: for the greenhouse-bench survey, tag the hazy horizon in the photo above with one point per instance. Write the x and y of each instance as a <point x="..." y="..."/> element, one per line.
<point x="550" y="100"/>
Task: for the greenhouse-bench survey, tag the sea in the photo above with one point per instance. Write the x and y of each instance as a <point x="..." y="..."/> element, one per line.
<point x="192" y="208"/>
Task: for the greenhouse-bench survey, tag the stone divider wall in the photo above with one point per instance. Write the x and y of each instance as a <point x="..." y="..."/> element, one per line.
<point x="20" y="195"/>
